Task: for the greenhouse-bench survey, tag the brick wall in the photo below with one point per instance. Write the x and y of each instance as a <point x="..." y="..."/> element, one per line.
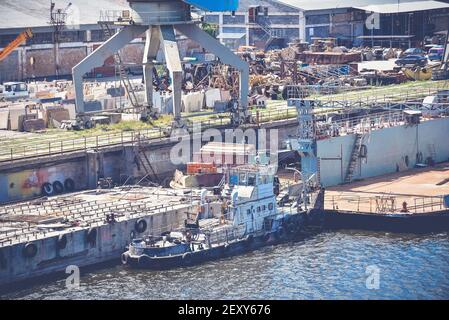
<point x="44" y="63"/>
<point x="132" y="53"/>
<point x="9" y="68"/>
<point x="70" y="57"/>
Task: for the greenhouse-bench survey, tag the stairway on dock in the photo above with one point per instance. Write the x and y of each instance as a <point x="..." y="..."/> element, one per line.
<point x="144" y="162"/>
<point x="355" y="155"/>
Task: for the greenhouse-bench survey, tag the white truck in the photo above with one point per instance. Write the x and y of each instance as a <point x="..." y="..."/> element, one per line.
<point x="14" y="90"/>
<point x="435" y="106"/>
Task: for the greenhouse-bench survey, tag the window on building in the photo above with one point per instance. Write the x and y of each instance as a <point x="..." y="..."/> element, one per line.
<point x="6" y="39"/>
<point x="317" y="19"/>
<point x="41" y="38"/>
<point x="270" y="206"/>
<point x="97" y="36"/>
<point x="72" y="36"/>
<point x="252" y="14"/>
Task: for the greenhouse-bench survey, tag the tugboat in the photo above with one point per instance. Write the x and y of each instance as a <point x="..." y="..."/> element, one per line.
<point x="240" y="216"/>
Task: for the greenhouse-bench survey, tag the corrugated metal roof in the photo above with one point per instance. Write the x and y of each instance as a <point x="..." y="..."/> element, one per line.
<point x="335" y="4"/>
<point x="36" y="13"/>
<point x="405" y="6"/>
<point x="273" y="5"/>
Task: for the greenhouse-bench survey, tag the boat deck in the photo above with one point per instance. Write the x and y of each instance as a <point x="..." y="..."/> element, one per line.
<point x="39" y="219"/>
<point x="421" y="188"/>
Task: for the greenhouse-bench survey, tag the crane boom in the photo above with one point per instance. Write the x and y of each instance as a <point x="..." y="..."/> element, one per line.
<point x="17" y="42"/>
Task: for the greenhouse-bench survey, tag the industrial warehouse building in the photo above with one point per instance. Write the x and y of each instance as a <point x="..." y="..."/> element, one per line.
<point x="262" y="23"/>
<point x="40" y="57"/>
<point x="258" y="23"/>
<point x="400" y="23"/>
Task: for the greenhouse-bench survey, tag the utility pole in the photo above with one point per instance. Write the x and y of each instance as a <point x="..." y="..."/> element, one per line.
<point x="58" y="18"/>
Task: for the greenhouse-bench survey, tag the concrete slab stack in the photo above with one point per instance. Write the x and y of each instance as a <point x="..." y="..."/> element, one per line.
<point x="4" y="117"/>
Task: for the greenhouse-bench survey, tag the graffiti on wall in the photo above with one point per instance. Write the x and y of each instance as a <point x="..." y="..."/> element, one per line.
<point x="29" y="183"/>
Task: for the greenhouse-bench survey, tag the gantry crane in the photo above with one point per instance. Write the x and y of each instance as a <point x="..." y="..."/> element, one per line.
<point x="17" y="42"/>
<point x="159" y="19"/>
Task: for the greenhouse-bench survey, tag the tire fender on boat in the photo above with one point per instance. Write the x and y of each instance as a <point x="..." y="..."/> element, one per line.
<point x="267" y="237"/>
<point x="143" y="260"/>
<point x="141" y="225"/>
<point x="249" y="239"/>
<point x="124" y="258"/>
<point x="187" y="258"/>
<point x="226" y="248"/>
<point x="91" y="236"/>
<point x="30" y="250"/>
<point x="62" y="241"/>
<point x="280" y="233"/>
<point x="291" y="227"/>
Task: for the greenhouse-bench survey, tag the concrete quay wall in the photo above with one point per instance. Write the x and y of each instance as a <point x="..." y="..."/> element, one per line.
<point x="108" y="243"/>
<point x="22" y="180"/>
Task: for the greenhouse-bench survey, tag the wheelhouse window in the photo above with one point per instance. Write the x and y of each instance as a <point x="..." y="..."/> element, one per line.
<point x="270" y="206"/>
<point x="251" y="179"/>
<point x="242" y="179"/>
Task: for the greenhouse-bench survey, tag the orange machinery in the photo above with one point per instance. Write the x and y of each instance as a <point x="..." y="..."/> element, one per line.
<point x="199" y="167"/>
<point x="17" y="42"/>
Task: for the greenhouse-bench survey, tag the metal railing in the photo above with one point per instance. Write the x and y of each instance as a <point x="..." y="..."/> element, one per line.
<point x="145" y="18"/>
<point x="384" y="204"/>
<point x="39" y="147"/>
<point x="48" y="147"/>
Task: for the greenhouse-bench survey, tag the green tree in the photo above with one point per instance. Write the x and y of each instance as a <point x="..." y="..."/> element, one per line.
<point x="210" y="28"/>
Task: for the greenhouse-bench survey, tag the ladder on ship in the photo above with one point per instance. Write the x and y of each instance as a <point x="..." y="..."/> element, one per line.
<point x="355" y="155"/>
<point x="124" y="78"/>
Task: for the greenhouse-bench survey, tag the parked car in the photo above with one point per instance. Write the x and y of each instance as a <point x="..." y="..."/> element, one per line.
<point x="413" y="52"/>
<point x="378" y="53"/>
<point x="436" y="54"/>
<point x="412" y="60"/>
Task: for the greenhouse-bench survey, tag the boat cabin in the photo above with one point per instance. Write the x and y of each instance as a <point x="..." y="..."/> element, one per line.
<point x="252" y="196"/>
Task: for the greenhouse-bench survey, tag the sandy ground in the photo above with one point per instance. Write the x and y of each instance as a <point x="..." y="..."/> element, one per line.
<point x="420" y="188"/>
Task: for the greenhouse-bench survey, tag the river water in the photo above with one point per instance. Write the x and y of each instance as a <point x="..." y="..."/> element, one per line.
<point x="333" y="265"/>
